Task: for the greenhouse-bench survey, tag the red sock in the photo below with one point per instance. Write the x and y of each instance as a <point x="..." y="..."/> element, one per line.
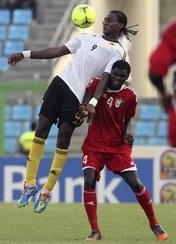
<point x="90" y="204"/>
<point x="146" y="203"/>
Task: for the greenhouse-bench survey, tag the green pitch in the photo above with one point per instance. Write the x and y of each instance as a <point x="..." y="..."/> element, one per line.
<point x="67" y="224"/>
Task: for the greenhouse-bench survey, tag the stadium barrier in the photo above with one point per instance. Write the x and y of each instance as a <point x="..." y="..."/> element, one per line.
<point x="157" y="172"/>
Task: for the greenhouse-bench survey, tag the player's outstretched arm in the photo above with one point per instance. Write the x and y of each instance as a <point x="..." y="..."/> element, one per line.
<point x="48" y="53"/>
<point x="97" y="94"/>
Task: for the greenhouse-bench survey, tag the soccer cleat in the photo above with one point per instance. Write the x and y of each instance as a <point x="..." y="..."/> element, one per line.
<point x="42" y="202"/>
<point x="159" y="232"/>
<point x="28" y="192"/>
<point x="94" y="236"/>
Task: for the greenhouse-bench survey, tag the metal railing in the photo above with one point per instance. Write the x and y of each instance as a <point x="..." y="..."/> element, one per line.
<point x="65" y="28"/>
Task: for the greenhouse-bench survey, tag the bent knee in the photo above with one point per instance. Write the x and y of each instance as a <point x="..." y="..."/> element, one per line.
<point x="89" y="183"/>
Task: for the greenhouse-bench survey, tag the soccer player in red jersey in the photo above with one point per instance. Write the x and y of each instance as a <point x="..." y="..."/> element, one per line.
<point x="109" y="143"/>
<point x="162" y="58"/>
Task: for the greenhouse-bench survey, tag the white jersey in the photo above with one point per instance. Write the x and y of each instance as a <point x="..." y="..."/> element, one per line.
<point x="93" y="55"/>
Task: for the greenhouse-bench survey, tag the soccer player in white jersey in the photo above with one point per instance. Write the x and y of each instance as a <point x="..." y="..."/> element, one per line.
<point x="93" y="56"/>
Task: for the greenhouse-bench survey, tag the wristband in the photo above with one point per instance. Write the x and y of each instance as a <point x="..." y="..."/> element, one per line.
<point x="93" y="101"/>
<point x="26" y="54"/>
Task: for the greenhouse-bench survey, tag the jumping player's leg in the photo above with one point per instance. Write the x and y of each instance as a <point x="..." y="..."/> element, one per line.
<point x="37" y="149"/>
<point x="90" y="202"/>
<point x="47" y="116"/>
<point x="66" y="107"/>
<point x="33" y="160"/>
<point x="144" y="199"/>
<point x="58" y="162"/>
<point x="63" y="106"/>
<point x="60" y="156"/>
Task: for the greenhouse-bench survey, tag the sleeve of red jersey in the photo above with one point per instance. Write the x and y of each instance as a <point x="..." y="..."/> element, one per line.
<point x="131" y="109"/>
<point x="92" y="85"/>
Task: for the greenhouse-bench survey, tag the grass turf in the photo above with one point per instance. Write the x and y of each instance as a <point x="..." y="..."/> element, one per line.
<point x="67" y="224"/>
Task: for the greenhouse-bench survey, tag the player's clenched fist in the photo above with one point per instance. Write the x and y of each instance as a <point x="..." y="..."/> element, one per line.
<point x="83" y="110"/>
<point x="128" y="139"/>
<point x="15" y="58"/>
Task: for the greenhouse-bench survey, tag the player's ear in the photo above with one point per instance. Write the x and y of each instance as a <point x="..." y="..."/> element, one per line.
<point x="121" y="25"/>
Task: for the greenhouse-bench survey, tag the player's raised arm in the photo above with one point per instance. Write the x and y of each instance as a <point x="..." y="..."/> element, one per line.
<point x="97" y="94"/>
<point x="48" y="53"/>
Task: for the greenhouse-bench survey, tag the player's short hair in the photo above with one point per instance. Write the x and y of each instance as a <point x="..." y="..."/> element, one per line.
<point x="122" y="64"/>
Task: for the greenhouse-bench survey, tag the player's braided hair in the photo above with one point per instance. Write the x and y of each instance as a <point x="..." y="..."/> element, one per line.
<point x="127" y="30"/>
<point x="122" y="18"/>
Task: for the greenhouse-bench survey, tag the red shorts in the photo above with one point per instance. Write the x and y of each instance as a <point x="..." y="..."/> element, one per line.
<point x="115" y="163"/>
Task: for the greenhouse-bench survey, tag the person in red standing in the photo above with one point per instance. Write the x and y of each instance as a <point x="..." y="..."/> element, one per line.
<point x="109" y="143"/>
<point x="161" y="59"/>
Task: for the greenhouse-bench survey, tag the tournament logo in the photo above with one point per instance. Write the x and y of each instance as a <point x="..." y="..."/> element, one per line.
<point x="168" y="164"/>
<point x="168" y="193"/>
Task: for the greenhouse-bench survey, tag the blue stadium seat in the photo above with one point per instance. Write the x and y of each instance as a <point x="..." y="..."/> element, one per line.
<point x="26" y="126"/>
<point x="36" y="112"/>
<point x="12" y="129"/>
<point x="22" y="16"/>
<point x="164" y="115"/>
<point x="162" y="129"/>
<point x="4" y="67"/>
<point x="1" y="48"/>
<point x="50" y="146"/>
<point x="18" y="32"/>
<point x="11" y="146"/>
<point x="156" y="141"/>
<point x="7" y="111"/>
<point x="13" y="47"/>
<point x="139" y="141"/>
<point x="145" y="128"/>
<point x="22" y="112"/>
<point x="149" y="112"/>
<point x="3" y="32"/>
<point x="5" y="16"/>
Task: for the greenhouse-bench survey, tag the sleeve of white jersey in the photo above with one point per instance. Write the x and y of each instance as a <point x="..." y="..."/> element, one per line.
<point x="74" y="44"/>
<point x="117" y="56"/>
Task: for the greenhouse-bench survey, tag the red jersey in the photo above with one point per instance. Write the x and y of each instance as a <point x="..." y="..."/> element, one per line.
<point x="105" y="134"/>
<point x="164" y="55"/>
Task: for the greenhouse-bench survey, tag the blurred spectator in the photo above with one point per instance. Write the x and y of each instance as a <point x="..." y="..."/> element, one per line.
<point x="172" y="116"/>
<point x="162" y="59"/>
<point x="5" y="4"/>
<point x="26" y="138"/>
